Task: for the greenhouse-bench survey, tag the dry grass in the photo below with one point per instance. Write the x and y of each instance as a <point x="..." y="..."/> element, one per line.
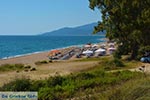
<point x="50" y="69"/>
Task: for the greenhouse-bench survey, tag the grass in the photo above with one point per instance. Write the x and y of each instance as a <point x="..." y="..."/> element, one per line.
<point x="94" y="84"/>
<point x="102" y="58"/>
<point x="63" y="87"/>
<point x="136" y="89"/>
<point x="11" y="67"/>
<point x="16" y="67"/>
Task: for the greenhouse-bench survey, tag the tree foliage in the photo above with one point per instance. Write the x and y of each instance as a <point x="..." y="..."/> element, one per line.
<point x="125" y="21"/>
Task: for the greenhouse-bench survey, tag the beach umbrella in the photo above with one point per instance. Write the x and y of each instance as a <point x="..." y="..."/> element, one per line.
<point x="103" y="45"/>
<point x="111" y="49"/>
<point x="87" y="46"/>
<point x="100" y="50"/>
<point x="87" y="52"/>
<point x="53" y="52"/>
<point x="111" y="44"/>
<point x="95" y="45"/>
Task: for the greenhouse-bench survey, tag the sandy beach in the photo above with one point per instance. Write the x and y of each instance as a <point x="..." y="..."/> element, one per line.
<point x="30" y="59"/>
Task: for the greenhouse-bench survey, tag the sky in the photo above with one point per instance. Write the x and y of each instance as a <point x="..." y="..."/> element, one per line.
<point x="31" y="17"/>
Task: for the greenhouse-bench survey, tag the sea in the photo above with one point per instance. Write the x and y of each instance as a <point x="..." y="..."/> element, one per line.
<point x="15" y="46"/>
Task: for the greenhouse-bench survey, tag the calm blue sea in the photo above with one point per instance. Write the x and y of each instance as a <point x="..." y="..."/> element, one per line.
<point x="11" y="46"/>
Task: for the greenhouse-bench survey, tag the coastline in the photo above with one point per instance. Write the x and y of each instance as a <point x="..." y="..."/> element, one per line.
<point x="21" y="55"/>
<point x="31" y="58"/>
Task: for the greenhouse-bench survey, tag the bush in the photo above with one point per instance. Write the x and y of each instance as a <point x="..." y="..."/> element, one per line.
<point x="117" y="54"/>
<point x="115" y="63"/>
<point x="36" y="85"/>
<point x="53" y="81"/>
<point x="11" y="67"/>
<point x="83" y="76"/>
<point x="142" y="51"/>
<point x="27" y="67"/>
<point x="112" y="64"/>
<point x="41" y="62"/>
<point x="48" y="94"/>
<point x="26" y="70"/>
<point x="33" y="69"/>
<point x="137" y="89"/>
<point x="17" y="85"/>
<point x="50" y="61"/>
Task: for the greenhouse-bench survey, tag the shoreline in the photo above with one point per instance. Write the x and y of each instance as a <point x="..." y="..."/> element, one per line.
<point x="37" y="52"/>
<point x="31" y="58"/>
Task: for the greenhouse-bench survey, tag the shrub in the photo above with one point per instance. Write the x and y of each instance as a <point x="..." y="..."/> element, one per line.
<point x="115" y="63"/>
<point x="33" y="69"/>
<point x="53" y="81"/>
<point x="11" y="67"/>
<point x="26" y="70"/>
<point x="142" y="51"/>
<point x="17" y="85"/>
<point x="36" y="85"/>
<point x="27" y="67"/>
<point x="50" y="61"/>
<point x="83" y="76"/>
<point x="137" y="89"/>
<point x="48" y="94"/>
<point x="118" y="63"/>
<point x="41" y="62"/>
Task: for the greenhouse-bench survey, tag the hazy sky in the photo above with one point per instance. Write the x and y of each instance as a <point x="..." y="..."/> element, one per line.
<point x="19" y="17"/>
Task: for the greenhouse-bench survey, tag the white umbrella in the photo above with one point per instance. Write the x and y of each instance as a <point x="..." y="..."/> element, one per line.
<point x="95" y="45"/>
<point x="104" y="45"/>
<point x="100" y="50"/>
<point x="111" y="44"/>
<point x="87" y="46"/>
<point x="111" y="49"/>
<point x="87" y="52"/>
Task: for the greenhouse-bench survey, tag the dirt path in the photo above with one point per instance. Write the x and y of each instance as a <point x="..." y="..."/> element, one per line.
<point x="51" y="69"/>
<point x="146" y="70"/>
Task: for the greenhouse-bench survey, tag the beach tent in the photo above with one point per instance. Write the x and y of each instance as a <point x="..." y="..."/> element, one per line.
<point x="100" y="50"/>
<point x="87" y="52"/>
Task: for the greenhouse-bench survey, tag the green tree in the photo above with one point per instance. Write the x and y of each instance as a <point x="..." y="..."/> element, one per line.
<point x="125" y="21"/>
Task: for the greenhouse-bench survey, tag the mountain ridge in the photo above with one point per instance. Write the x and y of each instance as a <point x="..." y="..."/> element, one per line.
<point x="83" y="30"/>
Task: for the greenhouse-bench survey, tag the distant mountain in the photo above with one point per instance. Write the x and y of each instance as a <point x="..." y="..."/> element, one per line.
<point x="85" y="30"/>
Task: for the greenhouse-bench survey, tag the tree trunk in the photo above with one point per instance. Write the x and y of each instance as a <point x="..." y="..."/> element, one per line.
<point x="134" y="52"/>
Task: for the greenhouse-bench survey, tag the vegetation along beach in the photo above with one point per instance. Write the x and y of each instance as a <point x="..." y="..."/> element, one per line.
<point x="95" y="49"/>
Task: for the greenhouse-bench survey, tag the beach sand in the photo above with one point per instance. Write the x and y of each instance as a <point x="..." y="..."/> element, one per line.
<point x="46" y="70"/>
<point x="30" y="59"/>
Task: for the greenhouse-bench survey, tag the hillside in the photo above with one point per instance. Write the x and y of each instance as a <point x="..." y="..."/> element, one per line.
<point x="84" y="30"/>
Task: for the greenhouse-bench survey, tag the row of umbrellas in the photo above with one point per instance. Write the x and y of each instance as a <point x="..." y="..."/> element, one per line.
<point x="100" y="50"/>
